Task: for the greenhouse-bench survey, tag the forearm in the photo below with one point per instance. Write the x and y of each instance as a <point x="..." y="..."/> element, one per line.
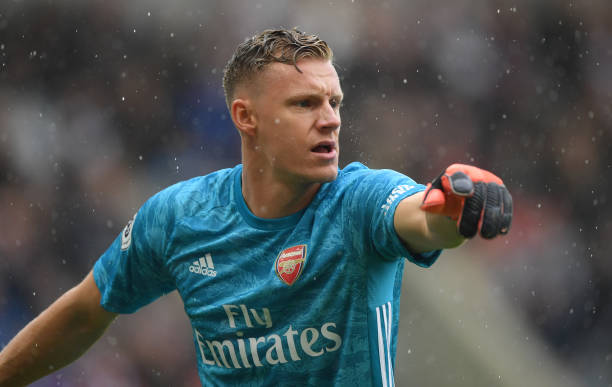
<point x="423" y="231"/>
<point x="58" y="336"/>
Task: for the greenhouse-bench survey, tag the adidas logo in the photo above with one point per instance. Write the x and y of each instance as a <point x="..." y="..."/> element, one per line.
<point x="203" y="266"/>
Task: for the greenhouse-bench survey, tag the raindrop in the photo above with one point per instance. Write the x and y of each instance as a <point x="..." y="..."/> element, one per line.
<point x="123" y="98"/>
<point x="148" y="13"/>
<point x="140" y="157"/>
<point x="553" y="95"/>
<point x="539" y="205"/>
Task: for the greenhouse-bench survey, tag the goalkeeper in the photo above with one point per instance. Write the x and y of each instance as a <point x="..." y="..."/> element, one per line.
<point x="289" y="268"/>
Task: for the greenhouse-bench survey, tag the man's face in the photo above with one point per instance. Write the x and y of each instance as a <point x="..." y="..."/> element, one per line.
<point x="298" y="120"/>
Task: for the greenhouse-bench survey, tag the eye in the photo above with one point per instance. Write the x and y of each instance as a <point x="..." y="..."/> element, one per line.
<point x="304" y="103"/>
<point x="334" y="103"/>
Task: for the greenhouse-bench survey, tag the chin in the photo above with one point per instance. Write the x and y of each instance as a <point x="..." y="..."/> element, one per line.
<point x="326" y="176"/>
<point x="331" y="176"/>
<point x="318" y="174"/>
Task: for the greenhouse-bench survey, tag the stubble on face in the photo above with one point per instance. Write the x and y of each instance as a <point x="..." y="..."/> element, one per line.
<point x="286" y="130"/>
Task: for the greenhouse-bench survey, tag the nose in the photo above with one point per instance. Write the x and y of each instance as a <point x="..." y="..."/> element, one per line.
<point x="329" y="118"/>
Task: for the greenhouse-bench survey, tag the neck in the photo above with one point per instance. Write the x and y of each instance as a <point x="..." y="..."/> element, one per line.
<point x="269" y="196"/>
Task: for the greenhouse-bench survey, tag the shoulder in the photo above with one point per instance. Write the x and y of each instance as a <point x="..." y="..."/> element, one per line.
<point x="356" y="180"/>
<point x="356" y="173"/>
<point x="195" y="194"/>
<point x="352" y="173"/>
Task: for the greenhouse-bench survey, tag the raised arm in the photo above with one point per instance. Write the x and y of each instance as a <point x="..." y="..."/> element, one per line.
<point x="55" y="338"/>
<point x="460" y="203"/>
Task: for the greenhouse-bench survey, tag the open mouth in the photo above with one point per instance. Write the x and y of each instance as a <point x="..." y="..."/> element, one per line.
<point x="324" y="147"/>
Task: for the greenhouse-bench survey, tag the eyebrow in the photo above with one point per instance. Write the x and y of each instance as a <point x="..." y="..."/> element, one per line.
<point x="301" y="95"/>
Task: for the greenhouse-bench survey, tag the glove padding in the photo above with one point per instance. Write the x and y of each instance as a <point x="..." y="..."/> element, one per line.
<point x="475" y="198"/>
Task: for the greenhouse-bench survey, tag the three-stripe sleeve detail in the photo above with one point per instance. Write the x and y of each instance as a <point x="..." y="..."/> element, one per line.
<point x="383" y="324"/>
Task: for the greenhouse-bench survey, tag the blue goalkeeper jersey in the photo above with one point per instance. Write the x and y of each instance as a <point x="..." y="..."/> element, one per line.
<point x="311" y="299"/>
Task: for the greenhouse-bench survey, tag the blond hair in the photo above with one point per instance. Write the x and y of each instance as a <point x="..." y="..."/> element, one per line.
<point x="280" y="45"/>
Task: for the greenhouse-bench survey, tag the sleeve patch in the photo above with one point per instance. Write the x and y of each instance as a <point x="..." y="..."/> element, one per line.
<point x="397" y="191"/>
<point x="126" y="235"/>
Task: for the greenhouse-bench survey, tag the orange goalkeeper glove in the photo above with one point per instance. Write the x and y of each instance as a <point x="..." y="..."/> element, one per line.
<point x="475" y="198"/>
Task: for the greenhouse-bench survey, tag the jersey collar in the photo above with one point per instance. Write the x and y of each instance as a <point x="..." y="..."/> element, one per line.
<point x="256" y="221"/>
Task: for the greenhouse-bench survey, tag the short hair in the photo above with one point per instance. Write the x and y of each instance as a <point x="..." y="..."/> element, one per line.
<point x="280" y="45"/>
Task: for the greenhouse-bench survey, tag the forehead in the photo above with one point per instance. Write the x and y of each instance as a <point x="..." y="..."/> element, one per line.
<point x="317" y="76"/>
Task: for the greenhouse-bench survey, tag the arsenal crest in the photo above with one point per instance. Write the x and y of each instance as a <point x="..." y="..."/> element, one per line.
<point x="289" y="263"/>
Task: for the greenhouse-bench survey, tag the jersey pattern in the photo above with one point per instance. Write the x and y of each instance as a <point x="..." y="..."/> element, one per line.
<point x="309" y="299"/>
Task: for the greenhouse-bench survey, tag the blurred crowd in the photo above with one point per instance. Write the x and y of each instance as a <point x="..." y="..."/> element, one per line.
<point x="104" y="103"/>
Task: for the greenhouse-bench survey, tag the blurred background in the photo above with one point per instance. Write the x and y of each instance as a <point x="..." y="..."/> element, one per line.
<point x="103" y="103"/>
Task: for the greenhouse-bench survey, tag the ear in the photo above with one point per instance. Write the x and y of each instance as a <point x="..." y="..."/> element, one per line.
<point x="243" y="116"/>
